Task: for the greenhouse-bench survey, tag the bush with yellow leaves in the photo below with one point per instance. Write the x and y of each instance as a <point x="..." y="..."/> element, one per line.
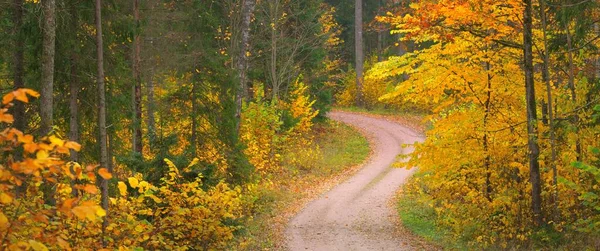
<point x="177" y="215"/>
<point x="270" y="129"/>
<point x="260" y="131"/>
<point x="46" y="203"/>
<point x="300" y="139"/>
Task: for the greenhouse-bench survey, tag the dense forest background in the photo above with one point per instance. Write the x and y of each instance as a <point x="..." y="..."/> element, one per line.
<point x="156" y="123"/>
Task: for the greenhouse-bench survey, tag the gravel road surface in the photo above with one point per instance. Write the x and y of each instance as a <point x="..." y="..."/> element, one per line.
<point x="358" y="214"/>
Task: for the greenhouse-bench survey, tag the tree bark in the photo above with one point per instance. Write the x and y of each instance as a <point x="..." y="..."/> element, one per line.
<point x="242" y="64"/>
<point x="379" y="33"/>
<point x="137" y="85"/>
<point x="49" y="37"/>
<point x="534" y="166"/>
<point x="18" y="58"/>
<point x="358" y="46"/>
<point x="487" y="160"/>
<point x="571" y="83"/>
<point x="274" y="13"/>
<point x="550" y="108"/>
<point x="102" y="114"/>
<point x="74" y="86"/>
<point x="152" y="136"/>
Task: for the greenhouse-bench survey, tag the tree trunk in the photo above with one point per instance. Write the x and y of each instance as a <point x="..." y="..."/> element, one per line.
<point x="379" y="33"/>
<point x="102" y="114"/>
<point x="19" y="108"/>
<point x="74" y="87"/>
<point x="546" y="79"/>
<point x="358" y="38"/>
<point x="242" y="64"/>
<point x="534" y="166"/>
<point x="571" y="83"/>
<point x="194" y="118"/>
<point x="150" y="110"/>
<point x="274" y="11"/>
<point x="137" y="84"/>
<point x="487" y="160"/>
<point x="49" y="37"/>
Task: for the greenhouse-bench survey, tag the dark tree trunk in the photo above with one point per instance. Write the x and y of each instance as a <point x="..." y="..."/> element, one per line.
<point x="137" y="85"/>
<point x="18" y="58"/>
<point x="46" y="102"/>
<point x="487" y="160"/>
<point x="152" y="136"/>
<point x="571" y="83"/>
<point x="102" y="114"/>
<point x="358" y="38"/>
<point x="534" y="152"/>
<point x="549" y="108"/>
<point x="74" y="87"/>
<point x="49" y="37"/>
<point x="379" y="33"/>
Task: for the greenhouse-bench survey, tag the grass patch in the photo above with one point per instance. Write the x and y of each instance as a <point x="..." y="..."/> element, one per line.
<point x="342" y="149"/>
<point x="420" y="219"/>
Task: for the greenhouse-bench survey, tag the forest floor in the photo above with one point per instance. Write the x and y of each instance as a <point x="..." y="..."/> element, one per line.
<point x="359" y="214"/>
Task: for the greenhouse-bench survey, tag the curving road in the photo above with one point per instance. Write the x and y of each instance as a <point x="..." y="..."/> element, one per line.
<point x="357" y="215"/>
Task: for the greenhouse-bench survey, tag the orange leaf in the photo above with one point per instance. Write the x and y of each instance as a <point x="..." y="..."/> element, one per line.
<point x="87" y="188"/>
<point x="21" y="95"/>
<point x="6" y="118"/>
<point x="31" y="93"/>
<point x="90" y="168"/>
<point x="9" y="97"/>
<point x="104" y="173"/>
<point x="73" y="145"/>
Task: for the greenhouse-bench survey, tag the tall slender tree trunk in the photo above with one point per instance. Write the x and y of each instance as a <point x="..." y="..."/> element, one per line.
<point x="194" y="117"/>
<point x="152" y="136"/>
<point x="379" y="33"/>
<point x="487" y="160"/>
<point x="274" y="11"/>
<point x="74" y="86"/>
<point x="137" y="85"/>
<point x="18" y="58"/>
<point x="571" y="83"/>
<point x="550" y="108"/>
<point x="242" y="64"/>
<point x="597" y="62"/>
<point x="46" y="102"/>
<point x="358" y="47"/>
<point x="534" y="152"/>
<point x="102" y="114"/>
<point x="49" y="37"/>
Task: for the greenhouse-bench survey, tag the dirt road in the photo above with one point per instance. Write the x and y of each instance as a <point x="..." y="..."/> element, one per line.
<point x="357" y="214"/>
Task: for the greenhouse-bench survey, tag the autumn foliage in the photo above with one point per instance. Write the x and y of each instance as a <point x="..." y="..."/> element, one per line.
<point x="48" y="203"/>
<point x="474" y="165"/>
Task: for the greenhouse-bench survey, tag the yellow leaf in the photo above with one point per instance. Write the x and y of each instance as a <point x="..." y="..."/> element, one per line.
<point x="89" y="210"/>
<point x="55" y="141"/>
<point x="63" y="244"/>
<point x="3" y="221"/>
<point x="100" y="212"/>
<point x="37" y="246"/>
<point x="122" y="188"/>
<point x="42" y="155"/>
<point x="103" y="172"/>
<point x="5" y="198"/>
<point x="133" y="182"/>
